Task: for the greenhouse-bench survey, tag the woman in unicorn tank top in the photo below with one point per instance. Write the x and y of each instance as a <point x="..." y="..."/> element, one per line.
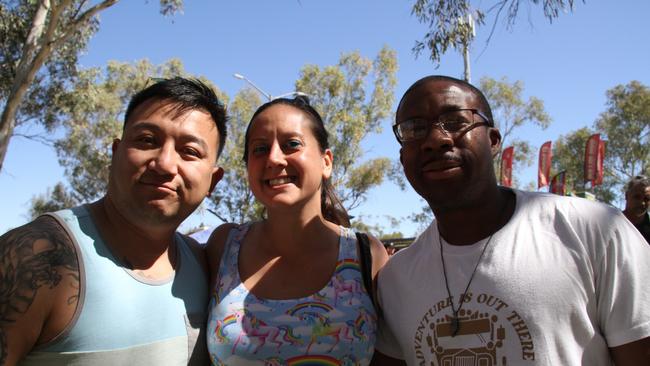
<point x="288" y="290"/>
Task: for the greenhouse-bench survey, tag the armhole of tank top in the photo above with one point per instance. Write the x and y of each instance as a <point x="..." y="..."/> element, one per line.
<point x="226" y="251"/>
<point x="82" y="285"/>
<point x="188" y="251"/>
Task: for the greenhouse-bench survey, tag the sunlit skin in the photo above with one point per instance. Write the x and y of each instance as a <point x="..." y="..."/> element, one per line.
<point x="163" y="166"/>
<point x="286" y="167"/>
<point x="285" y="164"/>
<point x="293" y="252"/>
<point x="454" y="172"/>
<point x="637" y="201"/>
<point x="451" y="172"/>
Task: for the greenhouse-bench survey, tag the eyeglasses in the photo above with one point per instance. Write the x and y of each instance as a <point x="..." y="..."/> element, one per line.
<point x="453" y="123"/>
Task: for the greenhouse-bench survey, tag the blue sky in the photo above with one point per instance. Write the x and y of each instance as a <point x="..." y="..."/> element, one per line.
<point x="569" y="64"/>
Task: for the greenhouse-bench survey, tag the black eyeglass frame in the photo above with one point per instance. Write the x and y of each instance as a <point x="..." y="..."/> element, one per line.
<point x="454" y="134"/>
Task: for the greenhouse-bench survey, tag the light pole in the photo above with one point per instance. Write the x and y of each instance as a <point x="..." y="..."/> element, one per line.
<point x="265" y="94"/>
<point x="467" y="34"/>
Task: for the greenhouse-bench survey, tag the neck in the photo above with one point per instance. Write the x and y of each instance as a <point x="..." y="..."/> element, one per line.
<point x="140" y="247"/>
<point x="635" y="219"/>
<point x="470" y="223"/>
<point x="288" y="234"/>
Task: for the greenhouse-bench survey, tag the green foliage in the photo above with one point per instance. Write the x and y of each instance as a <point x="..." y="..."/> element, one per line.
<point x="339" y="94"/>
<point x="511" y="111"/>
<point x="92" y="108"/>
<point x="91" y="112"/>
<point x="424" y="217"/>
<point x="39" y="46"/>
<point x="54" y="199"/>
<point x="15" y="25"/>
<point x="446" y="27"/>
<point x="568" y="155"/>
<point x="360" y="224"/>
<point x="232" y="200"/>
<point x="625" y="125"/>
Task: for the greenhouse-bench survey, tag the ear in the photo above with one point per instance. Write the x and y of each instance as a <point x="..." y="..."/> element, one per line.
<point x="495" y="140"/>
<point x="328" y="159"/>
<point x="217" y="174"/>
<point x="114" y="146"/>
<point x="401" y="159"/>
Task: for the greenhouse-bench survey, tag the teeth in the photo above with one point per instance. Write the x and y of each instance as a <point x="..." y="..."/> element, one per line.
<point x="278" y="181"/>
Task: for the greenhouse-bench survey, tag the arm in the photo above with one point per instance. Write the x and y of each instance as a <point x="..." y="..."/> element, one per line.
<point x="380" y="359"/>
<point x="214" y="249"/>
<point x="634" y="353"/>
<point x="39" y="283"/>
<point x="379" y="258"/>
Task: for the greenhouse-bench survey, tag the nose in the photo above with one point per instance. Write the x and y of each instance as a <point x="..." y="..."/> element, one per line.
<point x="276" y="156"/>
<point x="437" y="138"/>
<point x="165" y="162"/>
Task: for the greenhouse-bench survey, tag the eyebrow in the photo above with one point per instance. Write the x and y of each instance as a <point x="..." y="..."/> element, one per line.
<point x="280" y="136"/>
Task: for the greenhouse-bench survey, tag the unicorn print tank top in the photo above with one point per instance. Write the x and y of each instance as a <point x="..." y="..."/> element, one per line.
<point x="334" y="326"/>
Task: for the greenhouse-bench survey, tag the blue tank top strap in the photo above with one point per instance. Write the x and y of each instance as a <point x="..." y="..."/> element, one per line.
<point x="348" y="247"/>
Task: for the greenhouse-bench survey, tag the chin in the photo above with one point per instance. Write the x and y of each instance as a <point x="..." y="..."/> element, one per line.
<point x="156" y="214"/>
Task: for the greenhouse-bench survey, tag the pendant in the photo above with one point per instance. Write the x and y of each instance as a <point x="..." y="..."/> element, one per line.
<point x="455" y="326"/>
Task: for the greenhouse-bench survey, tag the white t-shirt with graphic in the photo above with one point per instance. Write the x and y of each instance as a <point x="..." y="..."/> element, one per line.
<point x="561" y="282"/>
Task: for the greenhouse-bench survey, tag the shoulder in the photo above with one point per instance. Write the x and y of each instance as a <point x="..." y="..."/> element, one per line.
<point x="217" y="241"/>
<point x="574" y="211"/>
<point x="197" y="250"/>
<point x="378" y="253"/>
<point x="41" y="238"/>
<point x="216" y="245"/>
<point x="40" y="272"/>
<point x="588" y="224"/>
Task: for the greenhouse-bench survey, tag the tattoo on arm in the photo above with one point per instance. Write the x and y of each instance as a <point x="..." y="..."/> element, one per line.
<point x="36" y="255"/>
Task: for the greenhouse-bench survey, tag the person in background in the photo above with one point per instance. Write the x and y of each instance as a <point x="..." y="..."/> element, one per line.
<point x="637" y="202"/>
<point x="288" y="289"/>
<point x="112" y="282"/>
<point x="503" y="276"/>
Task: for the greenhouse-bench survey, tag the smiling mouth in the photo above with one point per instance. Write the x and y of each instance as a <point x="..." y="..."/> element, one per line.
<point x="280" y="181"/>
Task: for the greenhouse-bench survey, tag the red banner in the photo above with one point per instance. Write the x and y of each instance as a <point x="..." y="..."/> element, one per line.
<point x="558" y="183"/>
<point x="544" y="166"/>
<point x="599" y="163"/>
<point x="591" y="158"/>
<point x="506" y="166"/>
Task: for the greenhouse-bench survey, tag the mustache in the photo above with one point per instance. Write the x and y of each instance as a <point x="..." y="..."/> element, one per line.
<point x="153" y="178"/>
<point x="447" y="157"/>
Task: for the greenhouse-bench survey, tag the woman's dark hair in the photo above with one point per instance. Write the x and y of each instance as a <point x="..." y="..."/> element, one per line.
<point x="331" y="206"/>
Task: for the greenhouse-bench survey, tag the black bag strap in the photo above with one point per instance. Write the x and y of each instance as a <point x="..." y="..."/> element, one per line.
<point x="365" y="262"/>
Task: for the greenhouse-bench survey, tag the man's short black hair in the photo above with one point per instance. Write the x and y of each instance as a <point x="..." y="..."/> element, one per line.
<point x="484" y="107"/>
<point x="187" y="94"/>
<point x="639" y="180"/>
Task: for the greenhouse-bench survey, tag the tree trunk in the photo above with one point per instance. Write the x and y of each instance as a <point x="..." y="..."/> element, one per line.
<point x="21" y="81"/>
<point x="38" y="47"/>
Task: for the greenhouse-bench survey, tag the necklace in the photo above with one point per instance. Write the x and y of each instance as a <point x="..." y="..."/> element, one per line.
<point x="455" y="323"/>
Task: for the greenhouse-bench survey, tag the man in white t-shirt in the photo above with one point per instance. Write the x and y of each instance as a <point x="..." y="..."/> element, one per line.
<point x="501" y="276"/>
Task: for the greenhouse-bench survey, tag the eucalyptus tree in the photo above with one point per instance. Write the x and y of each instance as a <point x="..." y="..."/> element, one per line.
<point x="448" y="27"/>
<point x="40" y="42"/>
